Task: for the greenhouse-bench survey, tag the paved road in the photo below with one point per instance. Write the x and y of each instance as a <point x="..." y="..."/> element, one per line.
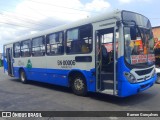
<point x="37" y="96"/>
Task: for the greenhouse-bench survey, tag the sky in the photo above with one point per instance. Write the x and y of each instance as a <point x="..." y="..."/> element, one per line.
<point x="23" y="17"/>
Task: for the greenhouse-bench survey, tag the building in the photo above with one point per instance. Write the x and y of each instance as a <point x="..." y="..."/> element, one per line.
<point x="156" y="34"/>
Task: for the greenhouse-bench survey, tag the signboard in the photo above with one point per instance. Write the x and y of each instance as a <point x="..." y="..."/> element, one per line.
<point x="151" y="57"/>
<point x="135" y="59"/>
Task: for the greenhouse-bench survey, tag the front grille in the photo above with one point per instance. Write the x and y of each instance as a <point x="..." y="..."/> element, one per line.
<point x="144" y="72"/>
<point x="143" y="78"/>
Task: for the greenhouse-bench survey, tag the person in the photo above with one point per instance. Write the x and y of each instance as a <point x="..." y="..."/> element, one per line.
<point x="128" y="51"/>
<point x="104" y="51"/>
<point x="84" y="48"/>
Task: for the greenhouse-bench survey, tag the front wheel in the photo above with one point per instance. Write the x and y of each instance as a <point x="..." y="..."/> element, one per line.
<point x="23" y="77"/>
<point x="79" y="86"/>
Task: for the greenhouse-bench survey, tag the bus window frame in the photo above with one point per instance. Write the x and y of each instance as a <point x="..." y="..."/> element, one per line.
<point x="63" y="43"/>
<point x="30" y="49"/>
<point x="79" y="27"/>
<point x="44" y="42"/>
<point x="19" y="49"/>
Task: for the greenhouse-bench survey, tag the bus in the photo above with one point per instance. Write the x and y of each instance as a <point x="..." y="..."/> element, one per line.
<point x="112" y="53"/>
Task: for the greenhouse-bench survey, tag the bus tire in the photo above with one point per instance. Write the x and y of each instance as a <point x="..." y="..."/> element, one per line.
<point x="79" y="86"/>
<point x="23" y="77"/>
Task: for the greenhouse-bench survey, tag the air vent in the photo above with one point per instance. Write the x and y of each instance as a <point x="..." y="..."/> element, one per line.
<point x="144" y="72"/>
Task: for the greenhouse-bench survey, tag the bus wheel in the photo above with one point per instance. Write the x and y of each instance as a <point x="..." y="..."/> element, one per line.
<point x="23" y="77"/>
<point x="79" y="86"/>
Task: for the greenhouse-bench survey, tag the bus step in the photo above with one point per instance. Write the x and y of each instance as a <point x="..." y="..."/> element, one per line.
<point x="110" y="92"/>
<point x="107" y="76"/>
<point x="107" y="84"/>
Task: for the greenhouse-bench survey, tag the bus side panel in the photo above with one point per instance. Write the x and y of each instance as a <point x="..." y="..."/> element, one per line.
<point x="51" y="76"/>
<point x="16" y="72"/>
<point x="125" y="88"/>
<point x="56" y="76"/>
<point x="91" y="77"/>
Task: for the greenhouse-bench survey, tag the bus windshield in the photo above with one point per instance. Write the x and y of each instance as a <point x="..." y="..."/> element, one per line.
<point x="140" y="50"/>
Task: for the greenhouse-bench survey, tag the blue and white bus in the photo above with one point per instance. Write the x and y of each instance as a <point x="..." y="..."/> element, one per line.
<point x="110" y="53"/>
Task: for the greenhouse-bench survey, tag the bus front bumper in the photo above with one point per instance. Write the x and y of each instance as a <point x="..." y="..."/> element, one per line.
<point x="128" y="89"/>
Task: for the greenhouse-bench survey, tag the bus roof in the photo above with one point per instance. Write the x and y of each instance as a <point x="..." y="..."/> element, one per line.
<point x="101" y="17"/>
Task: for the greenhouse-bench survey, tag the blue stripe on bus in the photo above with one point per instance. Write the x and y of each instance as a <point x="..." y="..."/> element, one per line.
<point x="125" y="88"/>
<point x="56" y="76"/>
<point x="59" y="77"/>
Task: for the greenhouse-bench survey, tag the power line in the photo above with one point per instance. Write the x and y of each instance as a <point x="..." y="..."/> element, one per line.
<point x="16" y="25"/>
<point x="62" y="6"/>
<point x="23" y="18"/>
<point x="20" y="19"/>
<point x="34" y="22"/>
<point x="31" y="21"/>
<point x="53" y="12"/>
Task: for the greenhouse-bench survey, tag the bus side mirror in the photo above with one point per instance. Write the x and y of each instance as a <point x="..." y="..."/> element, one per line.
<point x="133" y="33"/>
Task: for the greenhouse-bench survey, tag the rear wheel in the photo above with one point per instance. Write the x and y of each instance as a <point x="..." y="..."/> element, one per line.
<point x="79" y="86"/>
<point x="23" y="77"/>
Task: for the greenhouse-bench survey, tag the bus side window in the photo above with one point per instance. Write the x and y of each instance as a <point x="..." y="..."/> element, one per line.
<point x="55" y="43"/>
<point x="16" y="50"/>
<point x="86" y="39"/>
<point x="72" y="39"/>
<point x="26" y="48"/>
<point x="79" y="40"/>
<point x="38" y="46"/>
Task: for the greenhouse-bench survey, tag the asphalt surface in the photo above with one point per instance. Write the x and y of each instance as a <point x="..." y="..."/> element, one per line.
<point x="39" y="96"/>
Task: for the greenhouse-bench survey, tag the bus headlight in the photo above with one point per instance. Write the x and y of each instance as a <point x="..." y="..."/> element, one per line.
<point x="130" y="77"/>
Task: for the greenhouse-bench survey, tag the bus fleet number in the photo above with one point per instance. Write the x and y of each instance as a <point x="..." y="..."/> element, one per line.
<point x="66" y="62"/>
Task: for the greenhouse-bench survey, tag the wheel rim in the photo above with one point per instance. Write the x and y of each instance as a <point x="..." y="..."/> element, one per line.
<point x="22" y="76"/>
<point x="78" y="84"/>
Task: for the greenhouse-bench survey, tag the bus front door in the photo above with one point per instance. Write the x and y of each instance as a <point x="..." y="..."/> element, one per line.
<point x="106" y="61"/>
<point x="9" y="61"/>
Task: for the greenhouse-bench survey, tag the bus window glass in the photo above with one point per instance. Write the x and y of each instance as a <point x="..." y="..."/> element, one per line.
<point x="79" y="40"/>
<point x="26" y="48"/>
<point x="85" y="36"/>
<point x="72" y="40"/>
<point x="55" y="44"/>
<point x="72" y="35"/>
<point x="38" y="46"/>
<point x="140" y="50"/>
<point x="16" y="50"/>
